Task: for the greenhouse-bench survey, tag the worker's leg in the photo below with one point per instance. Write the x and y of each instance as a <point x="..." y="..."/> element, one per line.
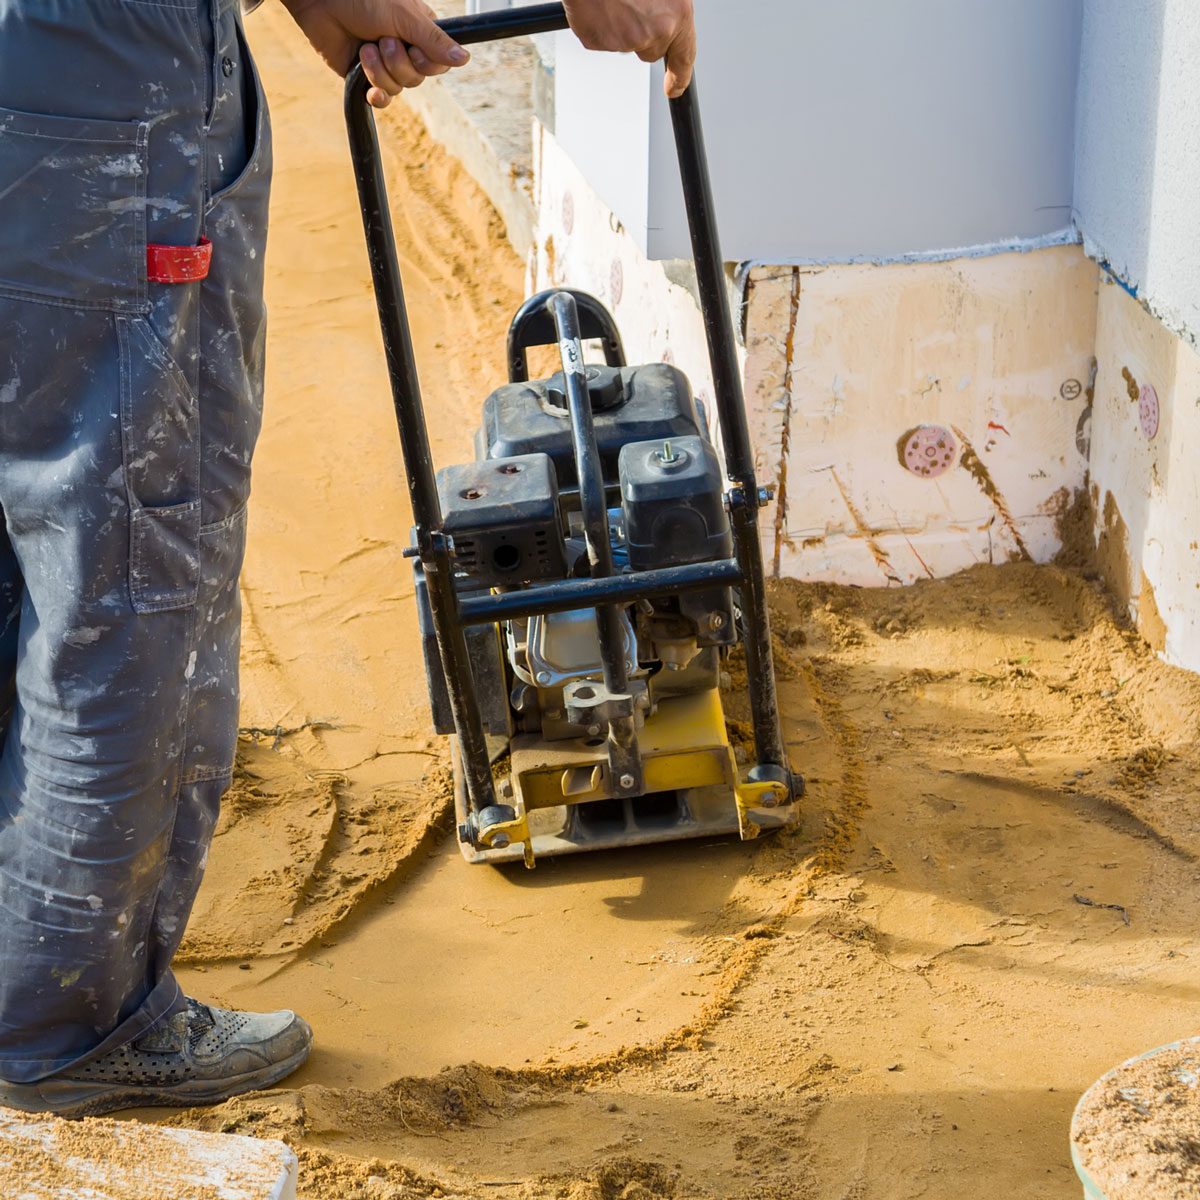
<point x="10" y="608"/>
<point x="129" y="417"/>
<point x="229" y="385"/>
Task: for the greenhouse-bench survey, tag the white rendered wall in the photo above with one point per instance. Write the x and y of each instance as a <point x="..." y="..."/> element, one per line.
<point x="1145" y="473"/>
<point x="1137" y="179"/>
<point x="844" y="131"/>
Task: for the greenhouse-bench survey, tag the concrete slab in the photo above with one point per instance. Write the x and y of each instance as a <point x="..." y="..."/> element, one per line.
<point x="46" y="1158"/>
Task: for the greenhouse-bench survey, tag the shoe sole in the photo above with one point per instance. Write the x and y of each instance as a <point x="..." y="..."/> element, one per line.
<point x="74" y="1098"/>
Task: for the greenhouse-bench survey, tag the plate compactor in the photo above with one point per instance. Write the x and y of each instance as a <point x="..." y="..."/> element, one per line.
<point x="581" y="582"/>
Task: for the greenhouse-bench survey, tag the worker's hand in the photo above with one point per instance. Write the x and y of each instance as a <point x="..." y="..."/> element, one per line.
<point x="397" y="41"/>
<point x="651" y="29"/>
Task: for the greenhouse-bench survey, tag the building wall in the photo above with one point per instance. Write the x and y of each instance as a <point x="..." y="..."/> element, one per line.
<point x="918" y="419"/>
<point x="1137" y="174"/>
<point x="1034" y="380"/>
<point x="1145" y="473"/>
<point x="846" y="365"/>
<point x="581" y="244"/>
<point x="838" y="132"/>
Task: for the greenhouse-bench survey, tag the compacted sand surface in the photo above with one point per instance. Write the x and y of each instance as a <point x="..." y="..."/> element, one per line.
<point x="992" y="898"/>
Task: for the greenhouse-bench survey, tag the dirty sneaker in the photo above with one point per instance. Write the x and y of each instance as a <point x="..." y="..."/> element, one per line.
<point x="202" y="1055"/>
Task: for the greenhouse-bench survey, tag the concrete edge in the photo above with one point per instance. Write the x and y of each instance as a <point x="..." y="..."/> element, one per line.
<point x="504" y="184"/>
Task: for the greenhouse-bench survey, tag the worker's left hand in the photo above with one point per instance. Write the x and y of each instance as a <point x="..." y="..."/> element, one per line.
<point x="397" y="41"/>
<point x="651" y="29"/>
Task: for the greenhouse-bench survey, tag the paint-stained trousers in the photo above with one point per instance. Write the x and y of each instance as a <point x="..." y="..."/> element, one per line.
<point x="129" y="411"/>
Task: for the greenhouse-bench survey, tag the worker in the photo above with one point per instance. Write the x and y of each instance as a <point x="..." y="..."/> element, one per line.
<point x="135" y="163"/>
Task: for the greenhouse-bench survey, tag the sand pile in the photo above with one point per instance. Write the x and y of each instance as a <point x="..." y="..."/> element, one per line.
<point x="926" y="974"/>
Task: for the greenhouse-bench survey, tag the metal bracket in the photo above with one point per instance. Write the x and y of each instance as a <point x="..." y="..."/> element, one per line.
<point x="765" y="801"/>
<point x="589" y="703"/>
<point x="736" y="497"/>
<point x="497" y="828"/>
<point x="435" y="543"/>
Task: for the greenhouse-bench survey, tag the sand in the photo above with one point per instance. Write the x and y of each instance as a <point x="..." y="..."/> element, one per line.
<point x="993" y="895"/>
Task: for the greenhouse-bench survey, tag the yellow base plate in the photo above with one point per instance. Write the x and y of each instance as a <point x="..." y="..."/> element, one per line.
<point x="565" y="802"/>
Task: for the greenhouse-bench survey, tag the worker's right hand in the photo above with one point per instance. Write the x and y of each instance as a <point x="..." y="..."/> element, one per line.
<point x="651" y="29"/>
<point x="397" y="41"/>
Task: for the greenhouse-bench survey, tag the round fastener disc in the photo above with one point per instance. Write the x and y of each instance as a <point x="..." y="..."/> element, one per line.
<point x="930" y="451"/>
<point x="1148" y="412"/>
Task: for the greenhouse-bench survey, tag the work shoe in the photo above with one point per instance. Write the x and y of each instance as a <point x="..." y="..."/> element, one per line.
<point x="202" y="1055"/>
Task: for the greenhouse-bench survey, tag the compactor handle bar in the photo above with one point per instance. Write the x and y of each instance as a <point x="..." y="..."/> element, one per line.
<point x="448" y="609"/>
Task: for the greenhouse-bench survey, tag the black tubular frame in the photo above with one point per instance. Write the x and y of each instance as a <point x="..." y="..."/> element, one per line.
<point x="573" y="594"/>
<point x="625" y="764"/>
<point x="605" y="591"/>
<point x="534" y="325"/>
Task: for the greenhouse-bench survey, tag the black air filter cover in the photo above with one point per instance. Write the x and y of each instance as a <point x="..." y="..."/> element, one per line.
<point x="673" y="504"/>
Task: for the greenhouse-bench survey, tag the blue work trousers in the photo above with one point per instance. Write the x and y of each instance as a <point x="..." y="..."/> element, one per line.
<point x="129" y="409"/>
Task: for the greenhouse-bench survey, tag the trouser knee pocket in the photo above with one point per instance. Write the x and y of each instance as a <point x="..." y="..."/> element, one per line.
<point x="160" y="433"/>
